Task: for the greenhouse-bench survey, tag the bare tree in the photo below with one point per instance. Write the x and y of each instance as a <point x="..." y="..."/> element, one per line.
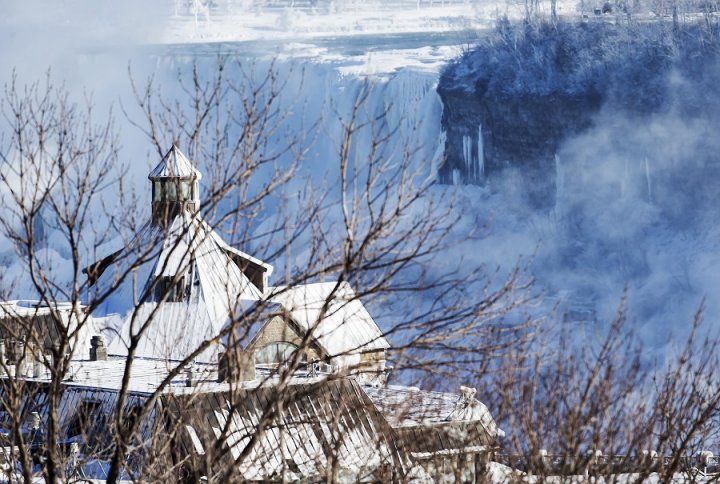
<point x="570" y="404"/>
<point x="61" y="172"/>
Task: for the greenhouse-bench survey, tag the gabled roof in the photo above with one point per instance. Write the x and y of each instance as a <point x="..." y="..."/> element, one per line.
<point x="337" y="318"/>
<point x="174" y="165"/>
<point x="213" y="286"/>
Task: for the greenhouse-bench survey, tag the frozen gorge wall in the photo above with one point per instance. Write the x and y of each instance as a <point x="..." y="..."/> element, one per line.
<point x="600" y="144"/>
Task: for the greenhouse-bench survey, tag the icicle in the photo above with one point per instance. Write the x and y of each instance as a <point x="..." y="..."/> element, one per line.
<point x="438" y="156"/>
<point x="467" y="155"/>
<point x="647" y="178"/>
<point x="456" y="176"/>
<point x="481" y="154"/>
<point x="559" y="178"/>
<point x="623" y="183"/>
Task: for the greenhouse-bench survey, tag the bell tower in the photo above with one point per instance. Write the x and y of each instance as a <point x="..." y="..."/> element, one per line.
<point x="175" y="187"/>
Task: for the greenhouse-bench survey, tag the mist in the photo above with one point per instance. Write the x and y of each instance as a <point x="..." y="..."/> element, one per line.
<point x="628" y="209"/>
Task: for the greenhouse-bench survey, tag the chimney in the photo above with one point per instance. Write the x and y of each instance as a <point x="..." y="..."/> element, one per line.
<point x="29" y="361"/>
<point x="98" y="350"/>
<point x="19" y="358"/>
<point x="191" y="377"/>
<point x="3" y="357"/>
<point x="236" y="366"/>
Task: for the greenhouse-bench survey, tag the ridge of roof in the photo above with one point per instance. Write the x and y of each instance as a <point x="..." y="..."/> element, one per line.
<point x="175" y="165"/>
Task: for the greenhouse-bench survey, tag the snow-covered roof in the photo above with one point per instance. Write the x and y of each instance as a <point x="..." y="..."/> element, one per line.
<point x="323" y="424"/>
<point x="337" y="318"/>
<point x="190" y="282"/>
<point x="79" y="326"/>
<point x="212" y="285"/>
<point x="174" y="165"/>
<point x="34" y="308"/>
<point x="408" y="406"/>
<point x="435" y="423"/>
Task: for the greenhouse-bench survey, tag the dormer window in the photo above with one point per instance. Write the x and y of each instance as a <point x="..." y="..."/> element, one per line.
<point x="169" y="290"/>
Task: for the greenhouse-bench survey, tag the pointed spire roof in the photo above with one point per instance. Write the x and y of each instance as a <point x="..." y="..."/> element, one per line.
<point x="174" y="165"/>
<point x="215" y="285"/>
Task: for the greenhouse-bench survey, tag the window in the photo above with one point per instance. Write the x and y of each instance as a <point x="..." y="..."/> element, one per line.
<point x="174" y="190"/>
<point x="157" y="191"/>
<point x="185" y="191"/>
<point x="275" y="353"/>
<point x="170" y="291"/>
<point x="170" y="191"/>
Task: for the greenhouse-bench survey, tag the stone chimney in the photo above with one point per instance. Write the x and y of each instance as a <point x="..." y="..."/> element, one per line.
<point x="236" y="366"/>
<point x="3" y="357"/>
<point x="19" y="358"/>
<point x="98" y="350"/>
<point x="191" y="377"/>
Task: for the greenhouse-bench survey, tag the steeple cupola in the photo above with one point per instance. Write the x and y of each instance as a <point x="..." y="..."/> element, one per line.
<point x="175" y="187"/>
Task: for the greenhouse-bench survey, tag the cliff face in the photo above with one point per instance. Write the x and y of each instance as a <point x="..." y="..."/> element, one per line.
<point x="488" y="135"/>
<point x="614" y="128"/>
<point x="511" y="103"/>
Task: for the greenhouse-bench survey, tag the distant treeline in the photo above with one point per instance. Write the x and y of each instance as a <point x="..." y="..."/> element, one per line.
<point x="640" y="68"/>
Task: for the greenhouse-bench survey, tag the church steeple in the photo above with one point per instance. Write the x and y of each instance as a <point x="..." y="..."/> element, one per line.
<point x="175" y="187"/>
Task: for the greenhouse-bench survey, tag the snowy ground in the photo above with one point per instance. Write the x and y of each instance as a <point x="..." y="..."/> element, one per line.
<point x="365" y="38"/>
<point x="366" y="18"/>
<point x="499" y="473"/>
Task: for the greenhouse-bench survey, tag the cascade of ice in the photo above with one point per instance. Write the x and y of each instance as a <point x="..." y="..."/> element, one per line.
<point x="405" y="103"/>
<point x="195" y="9"/>
<point x="467" y="156"/>
<point x="481" y="154"/>
<point x="559" y="178"/>
<point x="623" y="182"/>
<point x="647" y="179"/>
<point x="438" y="156"/>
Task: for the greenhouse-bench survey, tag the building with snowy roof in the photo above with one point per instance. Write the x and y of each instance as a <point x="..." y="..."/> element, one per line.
<point x="187" y="283"/>
<point x="172" y="343"/>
